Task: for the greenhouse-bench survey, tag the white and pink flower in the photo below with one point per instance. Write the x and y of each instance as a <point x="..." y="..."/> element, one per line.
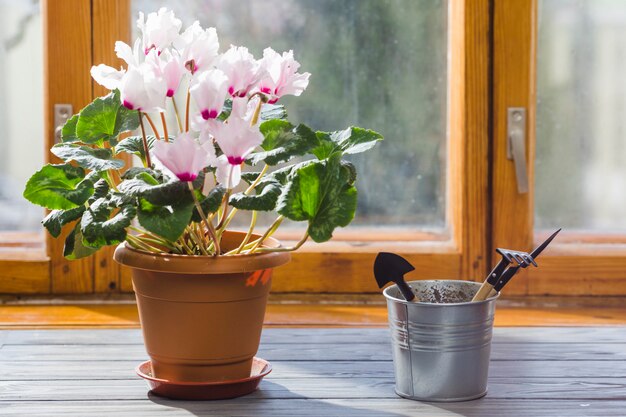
<point x="198" y="47"/>
<point x="172" y="70"/>
<point x="159" y="30"/>
<point x="107" y="76"/>
<point x="237" y="139"/>
<point x="183" y="157"/>
<point x="110" y="77"/>
<point x="143" y="88"/>
<point x="159" y="60"/>
<point x="209" y="91"/>
<point x="242" y="70"/>
<point x="142" y="85"/>
<point x="281" y="75"/>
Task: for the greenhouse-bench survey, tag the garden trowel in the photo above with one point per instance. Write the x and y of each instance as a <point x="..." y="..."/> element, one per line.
<point x="389" y="267"/>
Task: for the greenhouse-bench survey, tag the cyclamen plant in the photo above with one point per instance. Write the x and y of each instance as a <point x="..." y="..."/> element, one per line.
<point x="188" y="190"/>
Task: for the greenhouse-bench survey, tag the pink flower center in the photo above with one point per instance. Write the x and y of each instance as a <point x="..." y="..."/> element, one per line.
<point x="147" y="50"/>
<point x="170" y="92"/>
<point x="128" y="105"/>
<point x="272" y="101"/>
<point x="231" y="90"/>
<point x="187" y="176"/>
<point x="191" y="66"/>
<point x="235" y="160"/>
<point x="209" y="114"/>
<point x="266" y="90"/>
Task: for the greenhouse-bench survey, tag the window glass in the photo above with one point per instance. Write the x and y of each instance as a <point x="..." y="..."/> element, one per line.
<point x="21" y="111"/>
<point x="581" y="116"/>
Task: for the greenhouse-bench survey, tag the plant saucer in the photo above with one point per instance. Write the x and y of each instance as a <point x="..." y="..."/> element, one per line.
<point x="220" y="390"/>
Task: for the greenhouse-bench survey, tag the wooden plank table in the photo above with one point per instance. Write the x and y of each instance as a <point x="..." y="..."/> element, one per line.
<point x="573" y="371"/>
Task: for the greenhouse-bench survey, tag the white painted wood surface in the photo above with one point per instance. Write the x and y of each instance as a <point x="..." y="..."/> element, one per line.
<point x="535" y="372"/>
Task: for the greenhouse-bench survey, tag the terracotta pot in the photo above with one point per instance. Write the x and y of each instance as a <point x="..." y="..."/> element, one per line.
<point x="202" y="316"/>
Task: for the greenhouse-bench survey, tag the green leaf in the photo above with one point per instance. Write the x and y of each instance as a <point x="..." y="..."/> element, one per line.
<point x="281" y="175"/>
<point x="58" y="187"/>
<point x="147" y="178"/>
<point x="321" y="194"/>
<point x="351" y="169"/>
<point x="118" y="199"/>
<point x="126" y="120"/>
<point x="59" y="218"/>
<point x="276" y="133"/>
<point x="74" y="248"/>
<point x="210" y="203"/>
<point x="227" y="108"/>
<point x="98" y="159"/>
<point x="68" y="133"/>
<point x="273" y="111"/>
<point x="169" y="221"/>
<point x="283" y="142"/>
<point x="97" y="120"/>
<point x="250" y="176"/>
<point x="325" y="149"/>
<point x="134" y="145"/>
<point x="173" y="192"/>
<point x="349" y="141"/>
<point x="134" y="172"/>
<point x="101" y="189"/>
<point x="100" y="229"/>
<point x="265" y="200"/>
<point x="104" y="119"/>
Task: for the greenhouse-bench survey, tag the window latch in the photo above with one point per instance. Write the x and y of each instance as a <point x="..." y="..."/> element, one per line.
<point x="516" y="148"/>
<point x="62" y="112"/>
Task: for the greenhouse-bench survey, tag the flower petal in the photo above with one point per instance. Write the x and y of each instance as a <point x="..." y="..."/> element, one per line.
<point x="106" y="76"/>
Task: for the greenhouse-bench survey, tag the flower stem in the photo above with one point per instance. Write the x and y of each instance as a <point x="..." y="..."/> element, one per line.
<point x="108" y="177"/>
<point x="140" y="244"/>
<point x="187" y="111"/>
<point x="154" y="237"/>
<point x="247" y="192"/>
<point x="133" y="244"/>
<point x="164" y="123"/>
<point x="257" y="112"/>
<point x="183" y="242"/>
<point x="180" y="125"/>
<point x="157" y="242"/>
<point x="153" y="126"/>
<point x="257" y="180"/>
<point x="207" y="224"/>
<point x="220" y="225"/>
<point x="245" y="240"/>
<point x="148" y="162"/>
<point x="198" y="241"/>
<point x="290" y="249"/>
<point x="267" y="234"/>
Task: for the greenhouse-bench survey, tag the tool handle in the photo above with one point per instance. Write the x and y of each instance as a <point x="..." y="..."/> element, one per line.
<point x="406" y="290"/>
<point x="506" y="277"/>
<point x="494" y="275"/>
<point x="483" y="292"/>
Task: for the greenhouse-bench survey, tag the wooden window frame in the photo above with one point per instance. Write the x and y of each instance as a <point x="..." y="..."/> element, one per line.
<point x="80" y="33"/>
<point x="576" y="264"/>
<point x="70" y="48"/>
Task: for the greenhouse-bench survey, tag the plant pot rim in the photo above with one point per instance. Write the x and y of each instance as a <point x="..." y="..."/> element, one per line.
<point x="202" y="264"/>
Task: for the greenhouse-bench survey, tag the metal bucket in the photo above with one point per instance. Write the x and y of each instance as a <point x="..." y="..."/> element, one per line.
<point x="441" y="344"/>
